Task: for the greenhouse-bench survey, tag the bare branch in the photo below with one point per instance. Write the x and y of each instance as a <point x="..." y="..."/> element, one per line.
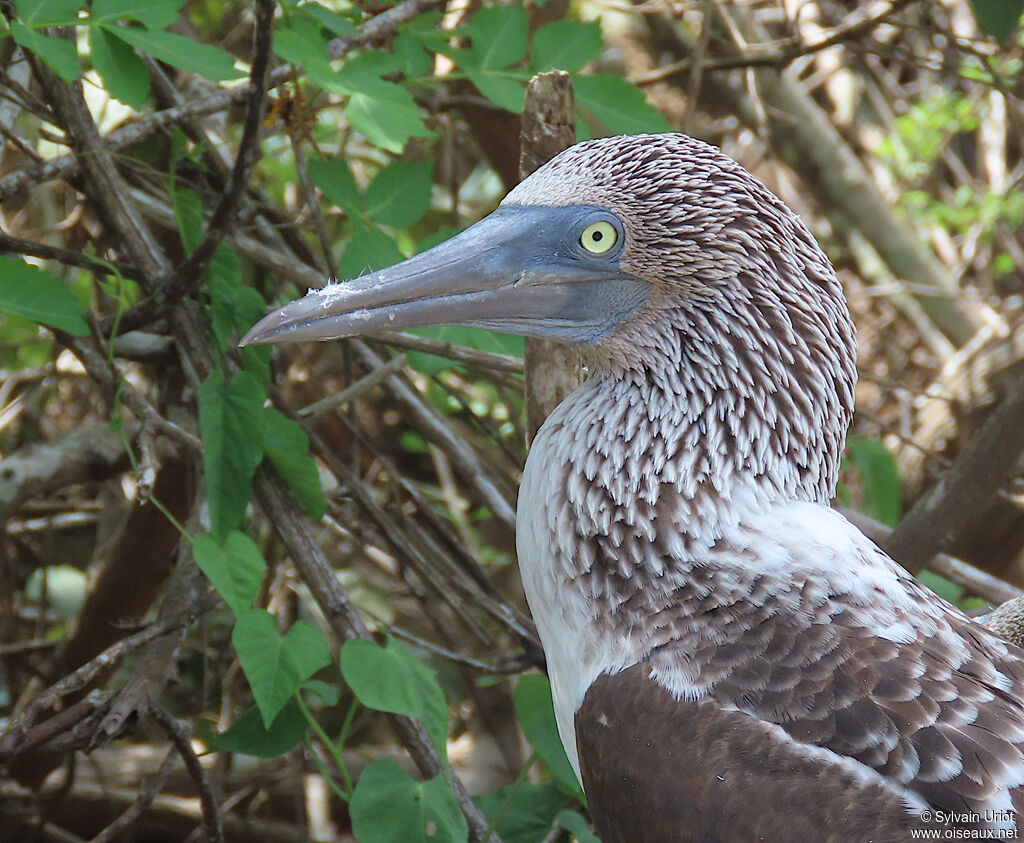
<point x="978" y="472"/>
<point x="248" y="153"/>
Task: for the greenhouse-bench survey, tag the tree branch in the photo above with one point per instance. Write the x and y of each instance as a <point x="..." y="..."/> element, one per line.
<point x="978" y="472"/>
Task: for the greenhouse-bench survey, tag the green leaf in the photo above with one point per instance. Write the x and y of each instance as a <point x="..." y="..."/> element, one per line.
<point x="386" y="118"/>
<point x="415" y="60"/>
<point x="364" y="71"/>
<point x="337" y="24"/>
<point x="618" y="104"/>
<point x="338" y="184"/>
<point x="566" y="45"/>
<point x="48" y="12"/>
<point x="946" y="589"/>
<point x="188" y="214"/>
<point x="400" y="194"/>
<point x="181" y="52"/>
<point x="507" y="92"/>
<point x="880" y="477"/>
<point x="389" y="805"/>
<point x="523" y="812"/>
<point x="231" y="420"/>
<point x="41" y="296"/>
<point x="300" y="42"/>
<point x="60" y="55"/>
<point x="536" y="715"/>
<point x="153" y="14"/>
<point x="328" y="693"/>
<point x="368" y="249"/>
<point x="236" y="569"/>
<point x="286" y="445"/>
<point x="999" y="18"/>
<point x="392" y="679"/>
<point x="123" y="73"/>
<point x="249" y="736"/>
<point x="232" y="309"/>
<point x="276" y="665"/>
<point x="498" y="36"/>
<point x="576" y="826"/>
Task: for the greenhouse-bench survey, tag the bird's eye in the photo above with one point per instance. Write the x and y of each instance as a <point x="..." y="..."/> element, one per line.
<point x="598" y="237"/>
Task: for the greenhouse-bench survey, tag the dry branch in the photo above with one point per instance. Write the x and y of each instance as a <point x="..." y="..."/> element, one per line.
<point x="87" y="455"/>
<point x="803" y="136"/>
<point x="978" y="472"/>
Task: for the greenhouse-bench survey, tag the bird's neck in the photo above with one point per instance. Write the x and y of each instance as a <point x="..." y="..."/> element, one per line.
<point x="645" y="468"/>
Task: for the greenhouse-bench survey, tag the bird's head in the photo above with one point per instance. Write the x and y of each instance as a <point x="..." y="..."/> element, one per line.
<point x="633" y="249"/>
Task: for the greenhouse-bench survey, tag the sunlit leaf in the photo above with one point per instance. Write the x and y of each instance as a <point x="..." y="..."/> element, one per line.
<point x="367" y="250"/>
<point x="300" y="42"/>
<point x="60" y="55"/>
<point x="577" y="826"/>
<point x="123" y="73"/>
<point x="235" y="568"/>
<point x="566" y="45"/>
<point x="386" y="118"/>
<point x="400" y="194"/>
<point x="153" y="14"/>
<point x="181" y="52"/>
<point x="335" y="179"/>
<point x="47" y="12"/>
<point x="38" y="295"/>
<point x="390" y="805"/>
<point x="337" y="24"/>
<point x="286" y="445"/>
<point x="498" y="35"/>
<point x="231" y="420"/>
<point x="392" y="679"/>
<point x="503" y="90"/>
<point x="618" y="104"/>
<point x="276" y="665"/>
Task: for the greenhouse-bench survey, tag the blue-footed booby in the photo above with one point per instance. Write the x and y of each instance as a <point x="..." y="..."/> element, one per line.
<point x="730" y="659"/>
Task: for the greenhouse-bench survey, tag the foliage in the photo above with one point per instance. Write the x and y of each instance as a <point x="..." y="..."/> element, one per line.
<point x="382" y="140"/>
<point x="879" y="478"/>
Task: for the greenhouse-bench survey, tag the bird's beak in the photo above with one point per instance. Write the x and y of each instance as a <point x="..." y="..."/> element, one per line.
<point x="519" y="271"/>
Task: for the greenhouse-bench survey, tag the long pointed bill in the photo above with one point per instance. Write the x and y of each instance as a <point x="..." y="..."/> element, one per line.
<point x="518" y="271"/>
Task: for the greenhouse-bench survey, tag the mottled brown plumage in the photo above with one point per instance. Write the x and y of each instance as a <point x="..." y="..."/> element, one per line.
<point x="730" y="659"/>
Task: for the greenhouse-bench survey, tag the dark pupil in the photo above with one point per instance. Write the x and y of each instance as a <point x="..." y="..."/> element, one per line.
<point x="597" y="236"/>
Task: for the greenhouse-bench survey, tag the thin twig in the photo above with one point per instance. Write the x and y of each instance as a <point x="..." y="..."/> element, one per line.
<point x="68" y="257"/>
<point x="485" y="361"/>
<point x="131" y="815"/>
<point x="12" y="740"/>
<point x="181" y="737"/>
<point x="351" y="393"/>
<point x="245" y="159"/>
<point x="780" y="53"/>
<point x="980" y="469"/>
<point x="285" y="513"/>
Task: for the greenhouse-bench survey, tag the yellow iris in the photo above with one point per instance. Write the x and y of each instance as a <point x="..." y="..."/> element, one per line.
<point x="598" y="237"/>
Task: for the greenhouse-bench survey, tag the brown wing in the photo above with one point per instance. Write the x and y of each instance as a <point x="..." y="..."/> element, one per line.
<point x="811" y="718"/>
<point x="661" y="770"/>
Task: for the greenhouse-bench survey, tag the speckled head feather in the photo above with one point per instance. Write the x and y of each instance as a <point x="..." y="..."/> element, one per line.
<point x="747" y="321"/>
